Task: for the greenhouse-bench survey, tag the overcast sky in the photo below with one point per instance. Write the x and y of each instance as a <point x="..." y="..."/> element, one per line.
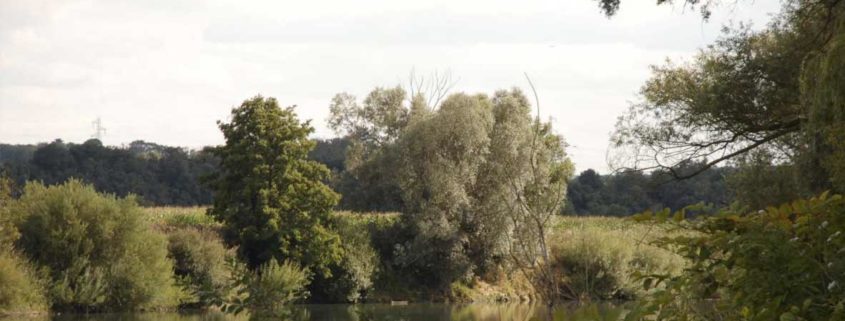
<point x="165" y="71"/>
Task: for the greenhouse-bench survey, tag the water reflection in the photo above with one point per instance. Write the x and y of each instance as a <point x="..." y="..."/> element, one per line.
<point x="381" y="312"/>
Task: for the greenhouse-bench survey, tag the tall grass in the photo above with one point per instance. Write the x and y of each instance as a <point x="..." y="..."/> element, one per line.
<point x="596" y="257"/>
<point x="164" y="217"/>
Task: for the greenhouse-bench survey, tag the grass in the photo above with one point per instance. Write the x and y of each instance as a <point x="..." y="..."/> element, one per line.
<point x="597" y="256"/>
<point x="180" y="217"/>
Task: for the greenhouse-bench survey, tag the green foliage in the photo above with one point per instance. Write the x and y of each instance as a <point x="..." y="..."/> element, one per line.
<point x="21" y="288"/>
<point x="376" y="122"/>
<point x="717" y="104"/>
<point x="371" y="129"/>
<point x="171" y="217"/>
<point x="781" y="263"/>
<point x="266" y="290"/>
<point x="331" y="152"/>
<point x="199" y="259"/>
<point x="469" y="174"/>
<point x="759" y="183"/>
<point x="823" y="87"/>
<point x="596" y="257"/>
<point x="776" y="92"/>
<point x="269" y="197"/>
<point x="160" y="175"/>
<point x="442" y="157"/>
<point x="352" y="277"/>
<point x="97" y="250"/>
<point x="8" y="231"/>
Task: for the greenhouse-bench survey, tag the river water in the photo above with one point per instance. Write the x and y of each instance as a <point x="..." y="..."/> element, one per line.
<point x="382" y="312"/>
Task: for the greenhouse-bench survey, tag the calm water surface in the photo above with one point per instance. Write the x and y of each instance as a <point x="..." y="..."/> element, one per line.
<point x="379" y="312"/>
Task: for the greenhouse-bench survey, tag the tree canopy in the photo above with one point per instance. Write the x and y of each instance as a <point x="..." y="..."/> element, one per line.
<point x="768" y="95"/>
<point x="268" y="195"/>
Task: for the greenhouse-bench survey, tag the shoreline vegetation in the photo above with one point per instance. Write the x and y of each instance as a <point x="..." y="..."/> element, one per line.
<point x="598" y="257"/>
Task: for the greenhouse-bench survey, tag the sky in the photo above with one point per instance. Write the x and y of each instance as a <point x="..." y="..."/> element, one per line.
<point x="166" y="71"/>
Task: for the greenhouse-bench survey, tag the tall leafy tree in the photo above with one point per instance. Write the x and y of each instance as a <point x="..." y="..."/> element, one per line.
<point x="772" y="95"/>
<point x="439" y="175"/>
<point x="268" y="195"/>
<point x="478" y="178"/>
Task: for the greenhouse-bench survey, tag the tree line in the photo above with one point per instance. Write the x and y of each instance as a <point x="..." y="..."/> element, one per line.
<point x="159" y="175"/>
<point x="165" y="175"/>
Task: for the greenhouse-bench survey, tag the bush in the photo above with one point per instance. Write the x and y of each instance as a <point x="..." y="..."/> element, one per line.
<point x="21" y="289"/>
<point x="782" y="263"/>
<point x="266" y="291"/>
<point x="98" y="252"/>
<point x="200" y="264"/>
<point x="352" y="277"/>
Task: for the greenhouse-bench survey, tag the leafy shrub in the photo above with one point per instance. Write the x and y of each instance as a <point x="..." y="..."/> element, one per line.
<point x="199" y="259"/>
<point x="98" y="252"/>
<point x="352" y="277"/>
<point x="595" y="258"/>
<point x="21" y="289"/>
<point x="781" y="263"/>
<point x="266" y="291"/>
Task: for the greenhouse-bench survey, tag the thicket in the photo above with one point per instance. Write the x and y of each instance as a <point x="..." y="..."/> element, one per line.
<point x="21" y="287"/>
<point x="96" y="250"/>
<point x="782" y="263"/>
<point x="267" y="290"/>
<point x="200" y="263"/>
<point x="352" y="278"/>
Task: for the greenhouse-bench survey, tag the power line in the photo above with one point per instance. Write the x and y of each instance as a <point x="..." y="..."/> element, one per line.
<point x="99" y="130"/>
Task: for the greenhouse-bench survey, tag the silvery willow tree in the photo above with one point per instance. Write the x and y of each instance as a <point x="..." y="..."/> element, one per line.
<point x="479" y="179"/>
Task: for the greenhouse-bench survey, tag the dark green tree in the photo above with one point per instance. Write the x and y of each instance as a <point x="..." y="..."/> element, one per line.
<point x="268" y="195"/>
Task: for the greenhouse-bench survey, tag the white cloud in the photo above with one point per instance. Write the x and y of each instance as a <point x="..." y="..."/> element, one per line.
<point x="166" y="71"/>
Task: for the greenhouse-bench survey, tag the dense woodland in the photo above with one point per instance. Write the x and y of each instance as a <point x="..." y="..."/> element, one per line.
<point x="157" y="174"/>
<point x="164" y="175"/>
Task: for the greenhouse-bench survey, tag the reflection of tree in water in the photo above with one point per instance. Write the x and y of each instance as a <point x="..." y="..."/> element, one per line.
<point x="384" y="312"/>
<point x="527" y="312"/>
<point x="208" y="316"/>
<point x="286" y="313"/>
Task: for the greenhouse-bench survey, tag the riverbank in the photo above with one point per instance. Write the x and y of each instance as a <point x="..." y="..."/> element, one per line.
<point x="594" y="257"/>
